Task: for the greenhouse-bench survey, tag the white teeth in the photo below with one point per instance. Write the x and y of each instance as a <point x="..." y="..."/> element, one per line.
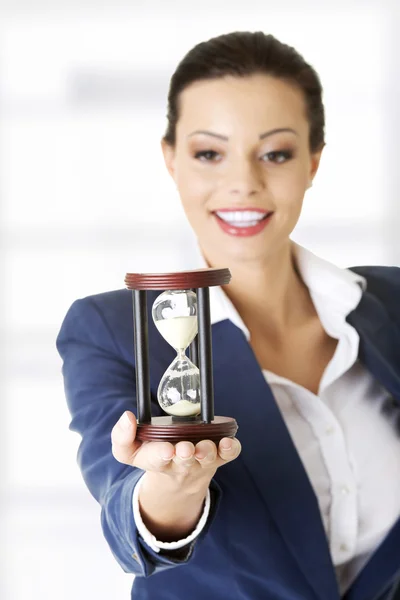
<point x="241" y="218"/>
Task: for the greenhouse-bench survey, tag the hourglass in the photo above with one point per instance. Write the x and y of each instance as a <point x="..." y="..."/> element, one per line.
<point x="181" y="313"/>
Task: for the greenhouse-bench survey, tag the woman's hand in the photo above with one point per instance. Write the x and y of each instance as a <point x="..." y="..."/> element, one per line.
<point x="182" y="461"/>
<point x="176" y="479"/>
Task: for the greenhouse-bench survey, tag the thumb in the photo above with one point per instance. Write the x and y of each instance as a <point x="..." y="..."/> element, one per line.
<point x="123" y="434"/>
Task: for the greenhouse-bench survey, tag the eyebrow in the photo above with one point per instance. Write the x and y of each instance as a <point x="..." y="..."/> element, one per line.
<point x="262" y="136"/>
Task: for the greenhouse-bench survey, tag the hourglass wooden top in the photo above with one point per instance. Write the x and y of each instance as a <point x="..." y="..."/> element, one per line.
<point x="182" y="280"/>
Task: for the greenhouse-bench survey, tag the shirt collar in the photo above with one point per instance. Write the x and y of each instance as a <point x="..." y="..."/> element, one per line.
<point x="332" y="288"/>
<point x="324" y="279"/>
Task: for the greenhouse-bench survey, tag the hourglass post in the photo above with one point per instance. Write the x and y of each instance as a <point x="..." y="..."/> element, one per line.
<point x="194" y="348"/>
<point x="140" y="329"/>
<point x="185" y="392"/>
<point x="205" y="355"/>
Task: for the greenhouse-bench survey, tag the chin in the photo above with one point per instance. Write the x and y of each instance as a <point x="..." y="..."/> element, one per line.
<point x="223" y="254"/>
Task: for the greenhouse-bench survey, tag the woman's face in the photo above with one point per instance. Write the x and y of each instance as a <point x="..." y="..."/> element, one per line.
<point x="241" y="164"/>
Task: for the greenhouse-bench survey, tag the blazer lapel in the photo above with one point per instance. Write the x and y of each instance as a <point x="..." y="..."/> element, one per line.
<point x="381" y="571"/>
<point x="270" y="456"/>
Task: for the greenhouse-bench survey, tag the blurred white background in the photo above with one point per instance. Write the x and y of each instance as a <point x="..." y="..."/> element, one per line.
<point x="85" y="198"/>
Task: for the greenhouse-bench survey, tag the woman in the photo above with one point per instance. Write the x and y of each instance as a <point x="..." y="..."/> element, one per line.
<point x="307" y="359"/>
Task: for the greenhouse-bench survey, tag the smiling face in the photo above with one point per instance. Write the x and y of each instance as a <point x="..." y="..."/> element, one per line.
<point x="241" y="163"/>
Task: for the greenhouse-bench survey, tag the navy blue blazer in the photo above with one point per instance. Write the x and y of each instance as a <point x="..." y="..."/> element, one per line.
<point x="265" y="538"/>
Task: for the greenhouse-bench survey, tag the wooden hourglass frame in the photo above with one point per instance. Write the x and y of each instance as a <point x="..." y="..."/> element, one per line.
<point x="169" y="428"/>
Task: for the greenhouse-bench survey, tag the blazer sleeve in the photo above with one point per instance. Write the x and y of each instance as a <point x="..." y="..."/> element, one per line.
<point x="99" y="386"/>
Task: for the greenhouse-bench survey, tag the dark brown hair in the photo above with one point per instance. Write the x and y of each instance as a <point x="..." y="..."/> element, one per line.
<point x="243" y="54"/>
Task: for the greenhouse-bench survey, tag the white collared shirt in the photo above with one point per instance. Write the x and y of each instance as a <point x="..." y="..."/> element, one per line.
<point x="345" y="434"/>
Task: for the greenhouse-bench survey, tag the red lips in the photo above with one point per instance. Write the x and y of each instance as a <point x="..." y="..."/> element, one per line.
<point x="237" y="226"/>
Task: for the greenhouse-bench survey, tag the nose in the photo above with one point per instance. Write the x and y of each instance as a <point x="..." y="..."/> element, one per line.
<point x="245" y="178"/>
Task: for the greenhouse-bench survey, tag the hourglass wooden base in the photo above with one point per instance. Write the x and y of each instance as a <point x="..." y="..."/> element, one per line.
<point x="166" y="429"/>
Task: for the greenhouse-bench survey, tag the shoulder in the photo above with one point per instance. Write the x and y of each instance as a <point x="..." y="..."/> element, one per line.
<point x="110" y="306"/>
<point x="114" y="306"/>
<point x="98" y="318"/>
<point x="382" y="282"/>
<point x="377" y="275"/>
<point x="105" y="320"/>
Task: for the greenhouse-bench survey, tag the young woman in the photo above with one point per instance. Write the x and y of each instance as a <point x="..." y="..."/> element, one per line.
<point x="306" y="358"/>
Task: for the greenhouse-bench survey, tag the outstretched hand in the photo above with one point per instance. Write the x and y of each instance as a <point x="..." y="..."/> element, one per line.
<point x="168" y="458"/>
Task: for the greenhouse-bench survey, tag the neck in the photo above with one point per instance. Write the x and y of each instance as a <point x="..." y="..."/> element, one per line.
<point x="270" y="292"/>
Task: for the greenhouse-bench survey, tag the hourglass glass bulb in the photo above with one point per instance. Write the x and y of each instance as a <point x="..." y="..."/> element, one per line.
<point x="175" y="316"/>
<point x="179" y="389"/>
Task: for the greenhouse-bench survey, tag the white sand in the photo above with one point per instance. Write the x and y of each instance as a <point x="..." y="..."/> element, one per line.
<point x="179" y="331"/>
<point x="183" y="408"/>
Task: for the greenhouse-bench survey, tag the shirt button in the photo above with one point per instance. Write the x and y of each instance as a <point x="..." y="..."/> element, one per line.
<point x="343" y="548"/>
<point x="135" y="557"/>
<point x="329" y="430"/>
<point x="345" y="490"/>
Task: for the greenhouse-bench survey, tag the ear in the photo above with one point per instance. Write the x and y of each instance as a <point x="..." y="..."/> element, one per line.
<point x="314" y="164"/>
<point x="169" y="157"/>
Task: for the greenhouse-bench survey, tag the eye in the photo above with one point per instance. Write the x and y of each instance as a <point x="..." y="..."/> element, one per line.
<point x="207" y="156"/>
<point x="277" y="156"/>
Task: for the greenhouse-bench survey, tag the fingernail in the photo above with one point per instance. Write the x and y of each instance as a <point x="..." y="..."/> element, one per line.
<point x="125" y="421"/>
<point x="186" y="452"/>
<point x="185" y="455"/>
<point x="166" y="453"/>
<point x="226" y="444"/>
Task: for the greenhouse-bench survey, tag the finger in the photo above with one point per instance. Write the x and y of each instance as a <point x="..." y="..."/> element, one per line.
<point x="206" y="453"/>
<point x="154" y="456"/>
<point x="184" y="454"/>
<point x="229" y="449"/>
<point x="124" y="445"/>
